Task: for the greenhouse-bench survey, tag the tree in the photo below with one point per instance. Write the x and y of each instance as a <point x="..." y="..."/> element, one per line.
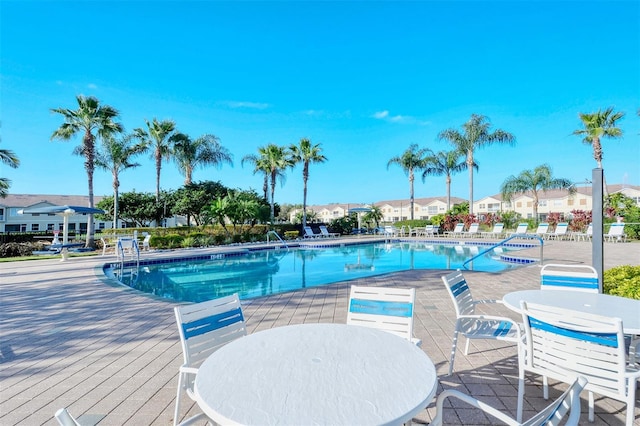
<point x="90" y="117"/>
<point x="192" y="200"/>
<point x="136" y="208"/>
<point x="158" y="137"/>
<point x="475" y="135"/>
<point x="599" y="125"/>
<point x="411" y="160"/>
<point x="115" y="155"/>
<point x="259" y="166"/>
<point x="274" y="160"/>
<point x="306" y="154"/>
<point x="445" y="163"/>
<point x="538" y="179"/>
<point x="205" y="150"/>
<point x="10" y="159"/>
<point x="374" y="215"/>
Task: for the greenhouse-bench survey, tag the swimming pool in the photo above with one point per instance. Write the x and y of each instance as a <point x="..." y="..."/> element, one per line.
<point x="265" y="272"/>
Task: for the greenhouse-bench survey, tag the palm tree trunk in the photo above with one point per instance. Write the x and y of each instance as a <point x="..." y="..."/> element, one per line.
<point x="116" y="184"/>
<point x="411" y="179"/>
<point x="89" y="165"/>
<point x="470" y="166"/>
<point x="158" y="167"/>
<point x="305" y="177"/>
<point x="272" y="202"/>
<point x="448" y="192"/>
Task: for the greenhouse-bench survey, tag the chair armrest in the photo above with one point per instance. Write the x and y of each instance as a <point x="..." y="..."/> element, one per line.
<point x="486" y="301"/>
<point x="437" y="421"/>
<point x="188" y="370"/>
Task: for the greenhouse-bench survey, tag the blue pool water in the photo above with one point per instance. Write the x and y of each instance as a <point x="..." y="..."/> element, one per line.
<point x="265" y="272"/>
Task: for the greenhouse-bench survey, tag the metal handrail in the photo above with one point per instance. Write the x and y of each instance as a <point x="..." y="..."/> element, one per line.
<point x="502" y="243"/>
<point x="278" y="237"/>
<point x="134" y="250"/>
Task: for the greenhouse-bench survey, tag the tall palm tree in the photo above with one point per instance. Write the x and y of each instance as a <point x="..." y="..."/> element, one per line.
<point x="306" y="154"/>
<point x="412" y="159"/>
<point x="259" y="166"/>
<point x="599" y="125"/>
<point x="10" y="159"/>
<point x="205" y="150"/>
<point x="158" y="137"/>
<point x="538" y="179"/>
<point x="475" y="135"/>
<point x="276" y="160"/>
<point x="445" y="163"/>
<point x="90" y="117"/>
<point x="115" y="155"/>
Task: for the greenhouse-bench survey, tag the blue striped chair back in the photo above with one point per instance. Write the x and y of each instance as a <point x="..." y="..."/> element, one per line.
<point x="555" y="276"/>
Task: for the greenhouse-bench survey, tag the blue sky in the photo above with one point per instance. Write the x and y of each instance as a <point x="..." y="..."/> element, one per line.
<point x="363" y="79"/>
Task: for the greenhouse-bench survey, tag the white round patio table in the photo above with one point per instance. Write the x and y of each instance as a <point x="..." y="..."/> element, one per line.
<point x="316" y="374"/>
<point x="628" y="310"/>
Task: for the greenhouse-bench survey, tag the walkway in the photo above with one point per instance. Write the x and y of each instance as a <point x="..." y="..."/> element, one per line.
<point x="111" y="354"/>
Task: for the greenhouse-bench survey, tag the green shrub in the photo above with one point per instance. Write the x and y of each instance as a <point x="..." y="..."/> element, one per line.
<point x="623" y="281"/>
<point x="189" y="242"/>
<point x="291" y="235"/>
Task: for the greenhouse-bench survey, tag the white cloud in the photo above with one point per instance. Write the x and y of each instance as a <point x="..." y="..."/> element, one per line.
<point x="381" y="114"/>
<point x="92" y="86"/>
<point x="244" y="104"/>
<point x="403" y="119"/>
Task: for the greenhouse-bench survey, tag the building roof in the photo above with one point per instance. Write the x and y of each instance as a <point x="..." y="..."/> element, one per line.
<point x="26" y="200"/>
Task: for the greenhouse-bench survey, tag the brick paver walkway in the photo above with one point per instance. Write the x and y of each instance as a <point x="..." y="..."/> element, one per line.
<point x="111" y="354"/>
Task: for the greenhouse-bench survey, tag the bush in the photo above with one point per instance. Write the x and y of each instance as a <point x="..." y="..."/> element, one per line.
<point x="623" y="281"/>
<point x="19" y="249"/>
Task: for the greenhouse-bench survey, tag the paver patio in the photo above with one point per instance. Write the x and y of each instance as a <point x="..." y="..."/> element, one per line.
<point x="111" y="354"/>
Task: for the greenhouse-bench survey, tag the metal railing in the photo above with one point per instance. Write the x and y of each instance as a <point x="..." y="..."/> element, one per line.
<point x="503" y="242"/>
<point x="278" y="237"/>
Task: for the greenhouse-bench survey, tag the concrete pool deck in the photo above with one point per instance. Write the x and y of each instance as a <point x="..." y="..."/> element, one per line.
<point x="111" y="354"/>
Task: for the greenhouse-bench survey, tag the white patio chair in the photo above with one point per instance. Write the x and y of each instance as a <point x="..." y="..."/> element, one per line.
<point x="325" y="232"/>
<point x="106" y="245"/>
<point x="520" y="230"/>
<point x="145" y="242"/>
<point x="585" y="236"/>
<point x="562" y="344"/>
<point x="552" y="415"/>
<point x="64" y="418"/>
<point x="391" y="231"/>
<point x="555" y="276"/>
<point x="385" y="308"/>
<point x="541" y="230"/>
<point x="616" y="233"/>
<point x="308" y="233"/>
<point x="204" y="328"/>
<point x="472" y="325"/>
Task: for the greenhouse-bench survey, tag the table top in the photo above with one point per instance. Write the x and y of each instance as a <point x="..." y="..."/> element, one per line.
<point x="599" y="304"/>
<point x="332" y="374"/>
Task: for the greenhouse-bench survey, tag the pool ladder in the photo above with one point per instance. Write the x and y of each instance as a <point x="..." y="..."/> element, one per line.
<point x="278" y="237"/>
<point x="502" y="243"/>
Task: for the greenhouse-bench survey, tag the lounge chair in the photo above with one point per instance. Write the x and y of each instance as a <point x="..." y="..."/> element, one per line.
<point x="585" y="236"/>
<point x="429" y="231"/>
<point x="472" y="231"/>
<point x="616" y="233"/>
<point x="145" y="242"/>
<point x="559" y="233"/>
<point x="390" y="231"/>
<point x="520" y="230"/>
<point x="308" y="233"/>
<point x="458" y="230"/>
<point x="325" y="232"/>
<point x="541" y="231"/>
<point x="496" y="232"/>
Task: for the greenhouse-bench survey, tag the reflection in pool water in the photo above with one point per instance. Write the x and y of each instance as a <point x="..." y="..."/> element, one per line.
<point x="266" y="272"/>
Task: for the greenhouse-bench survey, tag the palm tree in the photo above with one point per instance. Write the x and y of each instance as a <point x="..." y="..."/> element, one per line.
<point x="306" y="153"/>
<point x="374" y="215"/>
<point x="259" y="166"/>
<point x="475" y="135"/>
<point x="275" y="160"/>
<point x="115" y="155"/>
<point x="411" y="160"/>
<point x="538" y="179"/>
<point x="88" y="118"/>
<point x="10" y="159"/>
<point x="596" y="126"/>
<point x="158" y="136"/>
<point x="445" y="163"/>
<point x="206" y="150"/>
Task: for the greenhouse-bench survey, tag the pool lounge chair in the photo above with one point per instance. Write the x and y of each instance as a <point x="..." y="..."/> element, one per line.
<point x="472" y="231"/>
<point x="308" y="233"/>
<point x="541" y="231"/>
<point x="325" y="232"/>
<point x="616" y="233"/>
<point x="559" y="233"/>
<point x="496" y="232"/>
<point x="584" y="236"/>
<point x="520" y="230"/>
<point x="458" y="230"/>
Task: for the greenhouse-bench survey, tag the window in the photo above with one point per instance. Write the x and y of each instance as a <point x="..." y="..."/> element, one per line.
<point x="1" y="214"/>
<point x="519" y="204"/>
<point x="583" y="202"/>
<point x="542" y="203"/>
<point x="101" y="225"/>
<point x="529" y="203"/>
<point x="50" y="226"/>
<point x="35" y="226"/>
<point x="433" y="210"/>
<point x="570" y="202"/>
<point x="494" y="207"/>
<point x="83" y="226"/>
<point x="12" y="228"/>
<point x="72" y="227"/>
<point x="557" y="203"/>
<point x="481" y="206"/>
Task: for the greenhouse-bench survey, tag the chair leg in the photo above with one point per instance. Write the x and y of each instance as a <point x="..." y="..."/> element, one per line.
<point x="466" y="347"/>
<point x="545" y="387"/>
<point x="453" y="351"/>
<point x="176" y="414"/>
<point x="520" y="398"/>
<point x="591" y="409"/>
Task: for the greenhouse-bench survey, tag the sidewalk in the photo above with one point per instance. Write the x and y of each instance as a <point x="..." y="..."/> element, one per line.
<point x="111" y="354"/>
